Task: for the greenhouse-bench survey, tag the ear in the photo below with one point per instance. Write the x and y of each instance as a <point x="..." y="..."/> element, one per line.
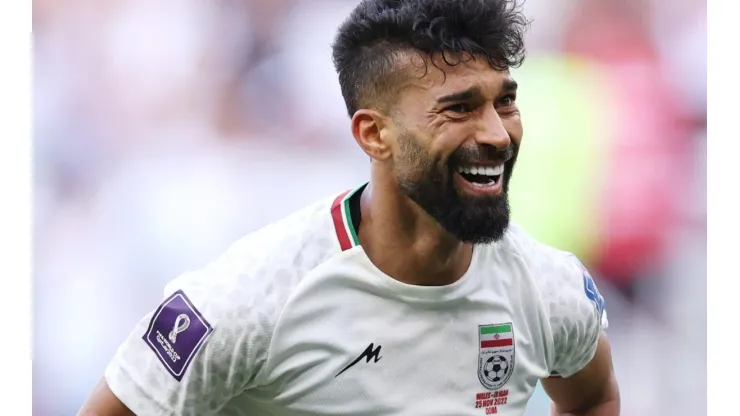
<point x="372" y="131"/>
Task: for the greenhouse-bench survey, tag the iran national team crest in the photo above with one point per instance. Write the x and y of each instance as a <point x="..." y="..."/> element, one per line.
<point x="495" y="355"/>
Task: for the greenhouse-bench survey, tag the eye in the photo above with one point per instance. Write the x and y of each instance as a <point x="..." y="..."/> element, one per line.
<point x="460" y="108"/>
<point x="507" y="100"/>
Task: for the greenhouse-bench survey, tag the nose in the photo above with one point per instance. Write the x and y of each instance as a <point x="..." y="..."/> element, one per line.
<point x="491" y="131"/>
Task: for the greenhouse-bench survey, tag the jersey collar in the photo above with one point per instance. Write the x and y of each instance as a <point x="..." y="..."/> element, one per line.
<point x="343" y="222"/>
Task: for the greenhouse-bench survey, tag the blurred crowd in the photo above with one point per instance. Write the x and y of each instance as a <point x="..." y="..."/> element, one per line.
<point x="164" y="130"/>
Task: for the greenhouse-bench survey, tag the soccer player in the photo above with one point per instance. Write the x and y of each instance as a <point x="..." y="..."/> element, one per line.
<point x="412" y="294"/>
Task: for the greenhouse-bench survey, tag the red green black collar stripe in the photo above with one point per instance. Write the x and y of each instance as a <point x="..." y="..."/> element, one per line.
<point x="340" y="213"/>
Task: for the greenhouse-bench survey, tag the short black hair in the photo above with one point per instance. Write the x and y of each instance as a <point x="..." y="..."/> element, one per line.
<point x="368" y="42"/>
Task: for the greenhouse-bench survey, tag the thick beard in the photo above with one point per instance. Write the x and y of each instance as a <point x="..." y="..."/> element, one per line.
<point x="477" y="220"/>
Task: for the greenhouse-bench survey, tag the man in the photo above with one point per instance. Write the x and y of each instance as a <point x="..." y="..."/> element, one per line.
<point x="410" y="295"/>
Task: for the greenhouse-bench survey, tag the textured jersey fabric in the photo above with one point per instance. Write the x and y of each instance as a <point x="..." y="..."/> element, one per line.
<point x="302" y="323"/>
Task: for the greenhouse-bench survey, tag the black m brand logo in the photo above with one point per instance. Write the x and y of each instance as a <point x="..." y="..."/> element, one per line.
<point x="368" y="355"/>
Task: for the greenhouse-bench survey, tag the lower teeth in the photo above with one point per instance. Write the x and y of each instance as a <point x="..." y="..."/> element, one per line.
<point x="482" y="185"/>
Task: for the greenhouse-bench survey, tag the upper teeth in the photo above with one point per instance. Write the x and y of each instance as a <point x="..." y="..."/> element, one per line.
<point x="482" y="170"/>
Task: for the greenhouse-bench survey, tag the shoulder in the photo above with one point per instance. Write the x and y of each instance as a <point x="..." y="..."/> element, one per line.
<point x="241" y="294"/>
<point x="259" y="271"/>
<point x="537" y="255"/>
<point x="574" y="307"/>
<point x="560" y="276"/>
<point x="209" y="338"/>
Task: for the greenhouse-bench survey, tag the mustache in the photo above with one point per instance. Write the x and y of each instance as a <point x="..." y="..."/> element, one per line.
<point x="482" y="153"/>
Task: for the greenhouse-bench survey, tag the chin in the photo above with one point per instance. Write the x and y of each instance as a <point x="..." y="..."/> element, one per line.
<point x="478" y="220"/>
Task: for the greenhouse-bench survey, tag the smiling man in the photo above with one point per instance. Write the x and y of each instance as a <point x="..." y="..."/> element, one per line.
<point x="412" y="294"/>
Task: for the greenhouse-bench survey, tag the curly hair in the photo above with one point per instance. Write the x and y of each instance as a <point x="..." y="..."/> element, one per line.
<point x="369" y="41"/>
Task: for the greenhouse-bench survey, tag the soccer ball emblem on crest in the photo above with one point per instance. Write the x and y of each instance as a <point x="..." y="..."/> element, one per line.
<point x="496" y="368"/>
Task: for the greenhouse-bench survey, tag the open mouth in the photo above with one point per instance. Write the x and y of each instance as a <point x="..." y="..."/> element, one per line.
<point x="481" y="176"/>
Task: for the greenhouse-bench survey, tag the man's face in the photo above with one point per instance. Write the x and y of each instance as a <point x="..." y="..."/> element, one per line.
<point x="457" y="138"/>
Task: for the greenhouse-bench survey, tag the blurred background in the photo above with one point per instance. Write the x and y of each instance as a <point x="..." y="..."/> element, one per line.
<point x="165" y="130"/>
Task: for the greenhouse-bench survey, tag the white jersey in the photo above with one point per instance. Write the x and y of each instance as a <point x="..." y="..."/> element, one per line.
<point x="296" y="320"/>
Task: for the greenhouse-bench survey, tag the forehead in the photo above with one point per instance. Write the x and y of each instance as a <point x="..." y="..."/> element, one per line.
<point x="434" y="77"/>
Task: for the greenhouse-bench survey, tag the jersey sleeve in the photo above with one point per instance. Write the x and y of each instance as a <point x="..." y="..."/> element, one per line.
<point x="577" y="316"/>
<point x="202" y="346"/>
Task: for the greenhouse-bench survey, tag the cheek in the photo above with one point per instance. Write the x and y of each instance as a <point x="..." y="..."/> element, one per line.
<point x="513" y="126"/>
<point x="451" y="137"/>
<point x="411" y="151"/>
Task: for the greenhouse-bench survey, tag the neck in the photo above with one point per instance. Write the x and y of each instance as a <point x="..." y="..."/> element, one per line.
<point x="403" y="241"/>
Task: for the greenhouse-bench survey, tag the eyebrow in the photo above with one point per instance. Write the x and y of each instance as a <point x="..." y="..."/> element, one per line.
<point x="509" y="86"/>
<point x="460" y="96"/>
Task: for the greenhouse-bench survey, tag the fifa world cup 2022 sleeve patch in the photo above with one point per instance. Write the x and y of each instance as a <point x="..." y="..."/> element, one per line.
<point x="176" y="333"/>
<point x="592" y="292"/>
